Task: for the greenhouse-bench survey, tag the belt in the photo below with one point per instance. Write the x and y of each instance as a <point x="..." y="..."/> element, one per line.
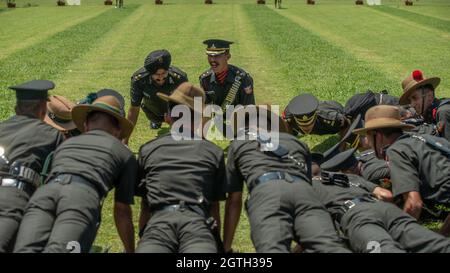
<point x="272" y="176"/>
<point x="69" y="178"/>
<point x="15" y="183"/>
<point x="24" y="174"/>
<point x="180" y="207"/>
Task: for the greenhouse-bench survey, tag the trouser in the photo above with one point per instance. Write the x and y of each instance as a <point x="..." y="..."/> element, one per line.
<point x="383" y="227"/>
<point x="153" y="115"/>
<point x="62" y="216"/>
<point x="12" y="206"/>
<point x="181" y="231"/>
<point x="280" y="212"/>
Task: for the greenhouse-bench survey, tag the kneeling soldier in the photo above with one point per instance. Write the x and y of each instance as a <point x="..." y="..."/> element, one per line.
<point x="25" y="143"/>
<point x="182" y="181"/>
<point x="282" y="205"/>
<point x="366" y="221"/>
<point x="157" y="75"/>
<point x="85" y="168"/>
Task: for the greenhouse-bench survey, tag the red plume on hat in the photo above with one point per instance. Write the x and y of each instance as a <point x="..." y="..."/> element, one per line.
<point x="417" y="75"/>
<point x="414" y="81"/>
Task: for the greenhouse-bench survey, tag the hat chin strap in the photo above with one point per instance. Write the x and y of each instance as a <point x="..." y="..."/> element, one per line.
<point x="383" y="151"/>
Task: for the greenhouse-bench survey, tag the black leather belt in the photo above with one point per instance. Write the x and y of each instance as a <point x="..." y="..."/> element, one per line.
<point x="69" y="178"/>
<point x="180" y="207"/>
<point x="272" y="176"/>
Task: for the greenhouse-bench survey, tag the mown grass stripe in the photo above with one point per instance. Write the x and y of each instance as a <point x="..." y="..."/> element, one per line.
<point x="311" y="63"/>
<point x="31" y="28"/>
<point x="383" y="43"/>
<point x="47" y="59"/>
<point x="425" y="20"/>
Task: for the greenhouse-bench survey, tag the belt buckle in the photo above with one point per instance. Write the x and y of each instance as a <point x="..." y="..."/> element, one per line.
<point x="349" y="204"/>
<point x="288" y="178"/>
<point x="9" y="182"/>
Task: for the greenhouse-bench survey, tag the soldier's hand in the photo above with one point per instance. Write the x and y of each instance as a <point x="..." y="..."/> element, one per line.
<point x="383" y="194"/>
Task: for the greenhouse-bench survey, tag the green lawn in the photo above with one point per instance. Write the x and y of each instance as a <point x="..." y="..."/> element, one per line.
<point x="332" y="49"/>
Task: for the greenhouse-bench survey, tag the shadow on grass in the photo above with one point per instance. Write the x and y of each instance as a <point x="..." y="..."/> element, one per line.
<point x="326" y="144"/>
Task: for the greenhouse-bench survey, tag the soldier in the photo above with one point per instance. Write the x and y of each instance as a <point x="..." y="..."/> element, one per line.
<point x="370" y="225"/>
<point x="60" y="117"/>
<point x="66" y="210"/>
<point x="282" y="205"/>
<point x="306" y="115"/>
<point x="420" y="93"/>
<point x="225" y="84"/>
<point x="181" y="182"/>
<point x="420" y="169"/>
<point x="25" y="143"/>
<point x="157" y="75"/>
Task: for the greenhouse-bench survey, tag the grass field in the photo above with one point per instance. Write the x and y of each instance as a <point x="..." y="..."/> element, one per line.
<point x="332" y="49"/>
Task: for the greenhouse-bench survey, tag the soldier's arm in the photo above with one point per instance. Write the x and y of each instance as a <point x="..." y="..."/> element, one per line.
<point x="233" y="204"/>
<point x="405" y="177"/>
<point x="136" y="99"/>
<point x="247" y="95"/>
<point x="123" y="198"/>
<point x="444" y="121"/>
<point x="123" y="218"/>
<point x="133" y="114"/>
<point x="413" y="203"/>
<point x="233" y="207"/>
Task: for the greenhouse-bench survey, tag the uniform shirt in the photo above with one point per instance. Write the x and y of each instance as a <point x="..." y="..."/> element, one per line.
<point x="372" y="168"/>
<point x="171" y="171"/>
<point x="28" y="141"/>
<point x="333" y="196"/>
<point x="330" y="119"/>
<point x="244" y="95"/>
<point x="416" y="166"/>
<point x="101" y="159"/>
<point x="142" y="87"/>
<point x="246" y="162"/>
<point x="440" y="115"/>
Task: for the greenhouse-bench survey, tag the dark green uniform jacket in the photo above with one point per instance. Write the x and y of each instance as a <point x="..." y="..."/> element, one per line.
<point x="101" y="159"/>
<point x="142" y="88"/>
<point x="244" y="95"/>
<point x="439" y="114"/>
<point x="27" y="141"/>
<point x="187" y="170"/>
<point x="416" y="166"/>
<point x="246" y="162"/>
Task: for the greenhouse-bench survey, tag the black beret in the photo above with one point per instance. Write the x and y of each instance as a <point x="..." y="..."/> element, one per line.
<point x="156" y="60"/>
<point x="33" y="90"/>
<point x="341" y="161"/>
<point x="216" y="46"/>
